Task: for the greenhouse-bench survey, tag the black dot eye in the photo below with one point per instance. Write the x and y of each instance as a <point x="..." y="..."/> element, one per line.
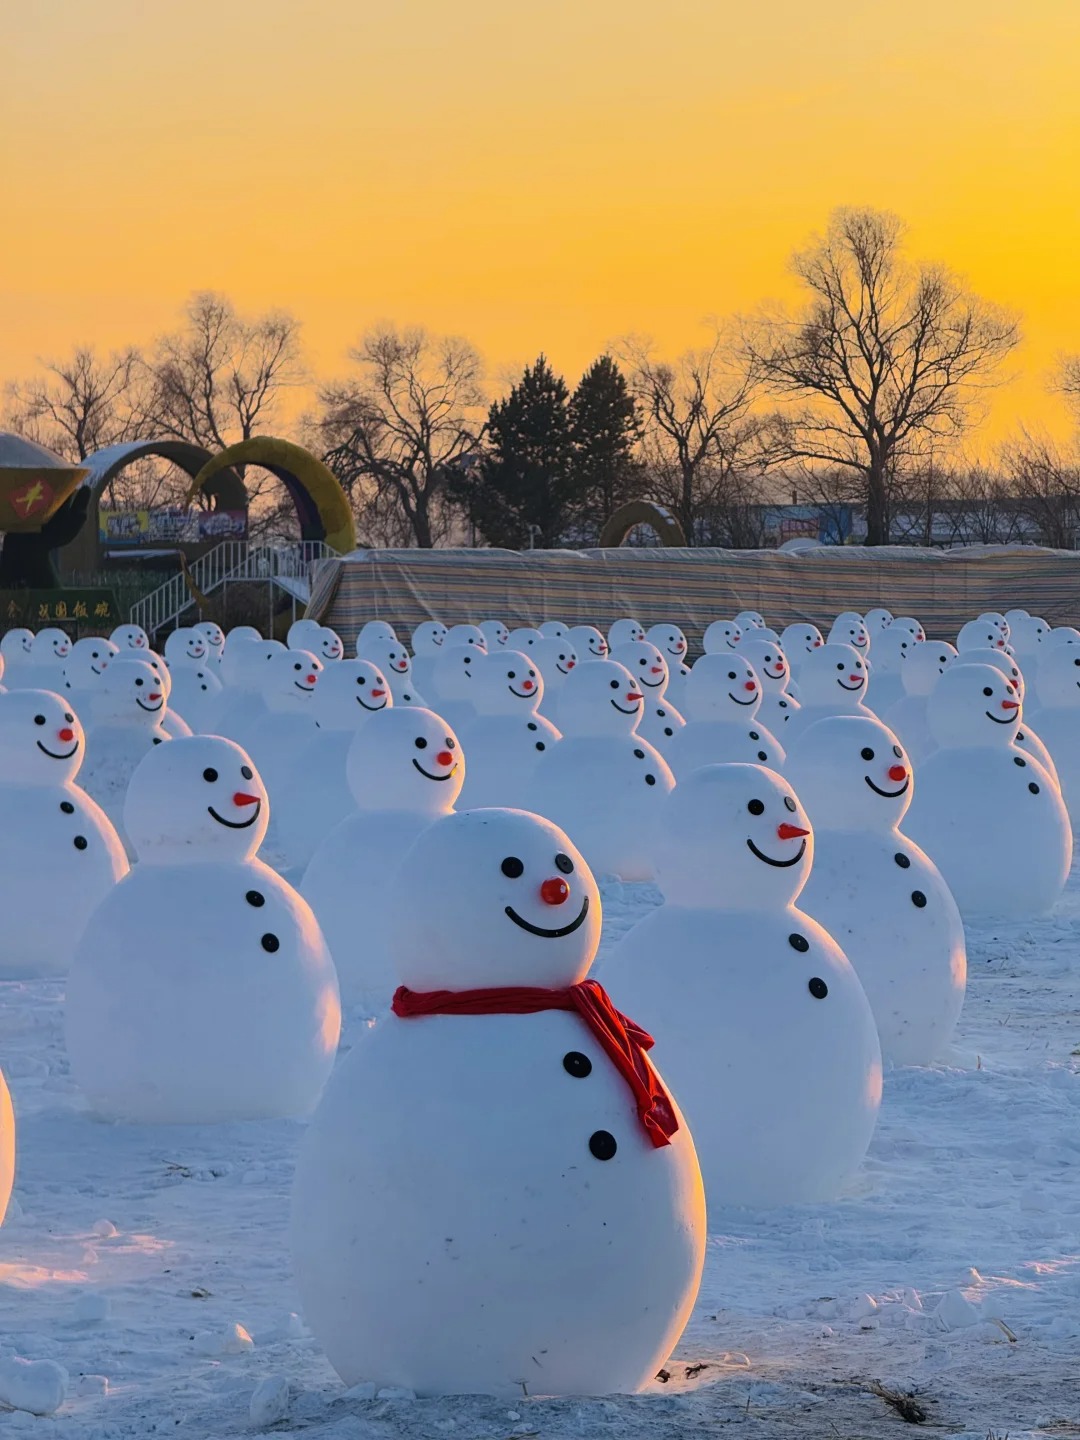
<point x="564" y="863"/>
<point x="420" y="743"/>
<point x="756" y="807"/>
<point x="614" y="684"/>
<point x="512" y="868"/>
<point x="511" y="674"/>
<point x="39" y="719"/>
<point x="361" y="679"/>
<point x="731" y="675"/>
<point x="577" y="1064"/>
<point x="210" y="775"/>
<point x="451" y="744"/>
<point x="818" y="988"/>
<point x="246" y="772"/>
<point x="987" y="690"/>
<point x="896" y="750"/>
<point x="789" y="804"/>
<point x="138" y="682"/>
<point x="867" y="753"/>
<point x="840" y="667"/>
<point x="297" y="667"/>
<point x="944" y="659"/>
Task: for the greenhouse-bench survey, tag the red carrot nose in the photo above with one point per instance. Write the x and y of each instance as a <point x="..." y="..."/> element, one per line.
<point x="570" y="664"/>
<point x="444" y="758"/>
<point x="854" y="678"/>
<point x="1010" y="704"/>
<point x="750" y="685"/>
<point x="790" y="832"/>
<point x="311" y="679"/>
<point x="818" y="642"/>
<point x="154" y="695"/>
<point x="65" y="735"/>
<point x="243" y="798"/>
<point x="897" y="772"/>
<point x="555" y="891"/>
<point x="680" y="644"/>
<point x="377" y="694"/>
<point x="656" y="670"/>
<point x="633" y="696"/>
<point x="1001" y="644"/>
<point x="526" y="684"/>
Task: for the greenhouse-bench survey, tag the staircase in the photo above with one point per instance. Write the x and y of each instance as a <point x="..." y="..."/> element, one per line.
<point x="284" y="567"/>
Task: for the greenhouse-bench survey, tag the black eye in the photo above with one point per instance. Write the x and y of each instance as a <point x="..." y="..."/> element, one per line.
<point x="245" y="771"/>
<point x="39" y="719"/>
<point x="988" y="690"/>
<point x="450" y="744"/>
<point x="898" y="752"/>
<point x="511" y="674"/>
<point x="839" y="667"/>
<point x="421" y="743"/>
<point x="210" y="775"/>
<point x="944" y="658"/>
<point x="361" y="679"/>
<point x="789" y="804"/>
<point x="532" y="673"/>
<point x="731" y="675"/>
<point x="512" y="868"/>
<point x="756" y="807"/>
<point x="138" y="682"/>
<point x="614" y="684"/>
<point x="297" y="667"/>
<point x="565" y="864"/>
<point x="867" y="753"/>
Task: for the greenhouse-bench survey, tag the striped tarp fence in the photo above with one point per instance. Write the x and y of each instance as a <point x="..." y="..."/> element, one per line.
<point x="942" y="588"/>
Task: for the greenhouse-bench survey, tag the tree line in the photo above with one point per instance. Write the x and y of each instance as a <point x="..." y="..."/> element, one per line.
<point x="859" y="396"/>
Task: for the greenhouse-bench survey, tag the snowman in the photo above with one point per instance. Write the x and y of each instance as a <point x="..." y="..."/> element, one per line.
<point x="85" y="666"/>
<point x="774" y="674"/>
<point x="288" y="682"/>
<point x="879" y="896"/>
<point x="833" y="680"/>
<point x="15" y="650"/>
<point x="766" y="1032"/>
<point x="452" y="683"/>
<point x="1026" y="738"/>
<point x="797" y="642"/>
<point x="214" y="637"/>
<point x="891" y="650"/>
<point x="723" y="697"/>
<point x="554" y="657"/>
<point x="7" y="1147"/>
<point x="466" y="635"/>
<point x="393" y="662"/>
<point x="172" y="723"/>
<point x="196" y="693"/>
<point x="721" y="635"/>
<point x="508" y="735"/>
<point x="186" y="646"/>
<point x="202" y="990"/>
<point x="1058" y="685"/>
<point x="301" y="634"/>
<point x="376" y="632"/>
<point x="998" y="620"/>
<point x="130" y="637"/>
<point x="671" y="642"/>
<point x="849" y="629"/>
<point x="128" y="708"/>
<point x="428" y="640"/>
<point x="1013" y="617"/>
<point x="625" y="632"/>
<point x="404" y="768"/>
<point x="979" y="635"/>
<point x="523" y="639"/>
<point x="241" y="703"/>
<point x="877" y="619"/>
<point x="44" y="669"/>
<point x="521" y="1211"/>
<point x="989" y="816"/>
<point x="750" y="620"/>
<point x="554" y="629"/>
<point x="315" y="796"/>
<point x="495" y="633"/>
<point x="927" y="661"/>
<point x="659" y="720"/>
<point x="909" y="624"/>
<point x="1027" y="636"/>
<point x="603" y="783"/>
<point x="59" y="854"/>
<point x="588" y="643"/>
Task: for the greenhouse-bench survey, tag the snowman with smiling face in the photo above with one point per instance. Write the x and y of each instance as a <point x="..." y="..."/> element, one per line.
<point x="797" y="642"/>
<point x="877" y="894"/>
<point x="603" y="782"/>
<point x="660" y="721"/>
<point x="214" y="636"/>
<point x="626" y="631"/>
<point x="521" y="1211"/>
<point x="849" y="628"/>
<point x="671" y="642"/>
<point x="989" y="816"/>
<point x="186" y="647"/>
<point x="496" y="634"/>
<point x="405" y="768"/>
<point x="723" y="697"/>
<point x="774" y="675"/>
<point x="452" y="682"/>
<point x="287" y="685"/>
<point x="508" y="736"/>
<point x="927" y="661"/>
<point x="765" y="1030"/>
<point x="588" y="642"/>
<point x="130" y="637"/>
<point x="428" y="640"/>
<point x="202" y="990"/>
<point x="85" y="666"/>
<point x="1025" y="737"/>
<point x="49" y="652"/>
<point x="721" y="635"/>
<point x="128" y="708"/>
<point x="833" y="680"/>
<point x="15" y="650"/>
<point x="392" y="660"/>
<point x="555" y="658"/>
<point x="59" y="854"/>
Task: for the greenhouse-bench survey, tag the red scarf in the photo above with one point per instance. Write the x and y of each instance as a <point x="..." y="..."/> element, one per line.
<point x="624" y="1042"/>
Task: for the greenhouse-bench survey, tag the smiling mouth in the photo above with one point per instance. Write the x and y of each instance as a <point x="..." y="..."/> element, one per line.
<point x="401" y="669"/>
<point x="527" y="694"/>
<point x="236" y="824"/>
<point x="360" y="701"/>
<point x="151" y="709"/>
<point x="654" y="686"/>
<point x="736" y="701"/>
<point x="550" y="934"/>
<point x="856" y="686"/>
<point x="95" y="671"/>
<point x="307" y="689"/>
<point x="624" y="712"/>
<point x="428" y="775"/>
<point x="560" y="669"/>
<point x="887" y="794"/>
<point x="1010" y="721"/>
<point x="778" y="864"/>
<point x="52" y="753"/>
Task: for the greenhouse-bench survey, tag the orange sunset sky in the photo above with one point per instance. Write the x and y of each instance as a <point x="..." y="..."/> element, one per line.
<point x="534" y="176"/>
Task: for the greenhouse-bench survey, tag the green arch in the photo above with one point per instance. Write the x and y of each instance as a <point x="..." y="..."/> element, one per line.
<point x="641" y="512"/>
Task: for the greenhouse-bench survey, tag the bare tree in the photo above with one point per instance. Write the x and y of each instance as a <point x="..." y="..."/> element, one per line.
<point x="1045" y="482"/>
<point x="1066" y="382"/>
<point x="80" y="404"/>
<point x="396" y="432"/>
<point x="700" y="444"/>
<point x="886" y="358"/>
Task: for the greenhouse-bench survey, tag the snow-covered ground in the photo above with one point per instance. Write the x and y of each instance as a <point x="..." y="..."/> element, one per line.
<point x="131" y="1256"/>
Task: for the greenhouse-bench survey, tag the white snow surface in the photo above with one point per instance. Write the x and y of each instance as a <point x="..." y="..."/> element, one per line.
<point x="141" y="1259"/>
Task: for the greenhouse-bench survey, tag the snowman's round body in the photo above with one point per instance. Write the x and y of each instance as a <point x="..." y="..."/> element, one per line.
<point x="498" y="1221"/>
<point x="195" y="690"/>
<point x="1060" y="729"/>
<point x="7" y="1147"/>
<point x="659" y="724"/>
<point x="288" y="722"/>
<point x="659" y="719"/>
<point x="722" y="742"/>
<point x="503" y="753"/>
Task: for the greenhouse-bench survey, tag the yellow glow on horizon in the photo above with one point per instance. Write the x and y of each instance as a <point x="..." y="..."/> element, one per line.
<point x="537" y="179"/>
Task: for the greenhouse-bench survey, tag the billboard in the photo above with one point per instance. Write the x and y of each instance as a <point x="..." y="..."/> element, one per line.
<point x="169" y="525"/>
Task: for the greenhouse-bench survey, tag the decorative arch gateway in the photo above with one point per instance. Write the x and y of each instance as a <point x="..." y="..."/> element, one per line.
<point x="228" y="493"/>
<point x="641" y="512"/>
<point x="321" y="505"/>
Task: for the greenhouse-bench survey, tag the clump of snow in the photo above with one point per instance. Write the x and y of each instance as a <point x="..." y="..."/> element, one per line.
<point x="270" y="1401"/>
<point x="37" y="1386"/>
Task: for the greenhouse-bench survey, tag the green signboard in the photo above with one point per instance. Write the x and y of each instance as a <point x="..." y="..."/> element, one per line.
<point x="83" y="611"/>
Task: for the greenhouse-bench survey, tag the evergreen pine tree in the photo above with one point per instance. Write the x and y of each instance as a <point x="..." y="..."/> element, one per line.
<point x="604" y="430"/>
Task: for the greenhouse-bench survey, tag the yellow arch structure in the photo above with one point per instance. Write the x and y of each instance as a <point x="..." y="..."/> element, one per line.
<point x="641" y="512"/>
<point x="319" y="499"/>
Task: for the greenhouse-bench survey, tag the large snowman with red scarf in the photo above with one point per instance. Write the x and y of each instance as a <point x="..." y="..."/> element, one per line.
<point x="497" y="1194"/>
<point x="202" y="989"/>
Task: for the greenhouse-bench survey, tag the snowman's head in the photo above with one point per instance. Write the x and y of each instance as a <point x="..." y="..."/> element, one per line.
<point x="1012" y="616"/>
<point x="207" y="682"/>
<point x="302" y="635"/>
<point x="213" y="634"/>
<point x="1001" y="660"/>
<point x="589" y="644"/>
<point x="508" y="682"/>
<point x="798" y="640"/>
<point x="374" y="632"/>
<point x="733" y="837"/>
<point x="849" y="629"/>
<point x="835" y="676"/>
<point x="721" y="635"/>
<point x="646" y="665"/>
<point x="851" y="773"/>
<point x="87" y="662"/>
<point x="910" y="624"/>
<point x="1058" y="678"/>
<point x="406" y="759"/>
<point x="198" y="798"/>
<point x="879" y="619"/>
<point x="554" y="629"/>
<point x="185" y="646"/>
<point x="973" y="705"/>
<point x="244" y="660"/>
<point x="523" y="639"/>
<point x="891" y="650"/>
<point x="130" y="637"/>
<point x="769" y="662"/>
<point x="391" y="657"/>
<point x="288" y="680"/>
<point x="601" y="698"/>
<point x="669" y="640"/>
<point x="999" y="622"/>
<point x="50" y="645"/>
<point x="723" y="687"/>
<point x="329" y="644"/>
<point x="1028" y="635"/>
<point x="452" y="677"/>
<point x="465" y="635"/>
<point x="625" y="632"/>
<point x="246" y="632"/>
<point x="16" y="644"/>
<point x="492" y="898"/>
<point x="496" y="635"/>
<point x="750" y="620"/>
<point x="348" y="693"/>
<point x="429" y="637"/>
<point x="1062" y="635"/>
<point x="927" y="660"/>
<point x="41" y="740"/>
<point x="130" y="693"/>
<point x="979" y="635"/>
<point x="555" y="657"/>
<point x="151" y="658"/>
